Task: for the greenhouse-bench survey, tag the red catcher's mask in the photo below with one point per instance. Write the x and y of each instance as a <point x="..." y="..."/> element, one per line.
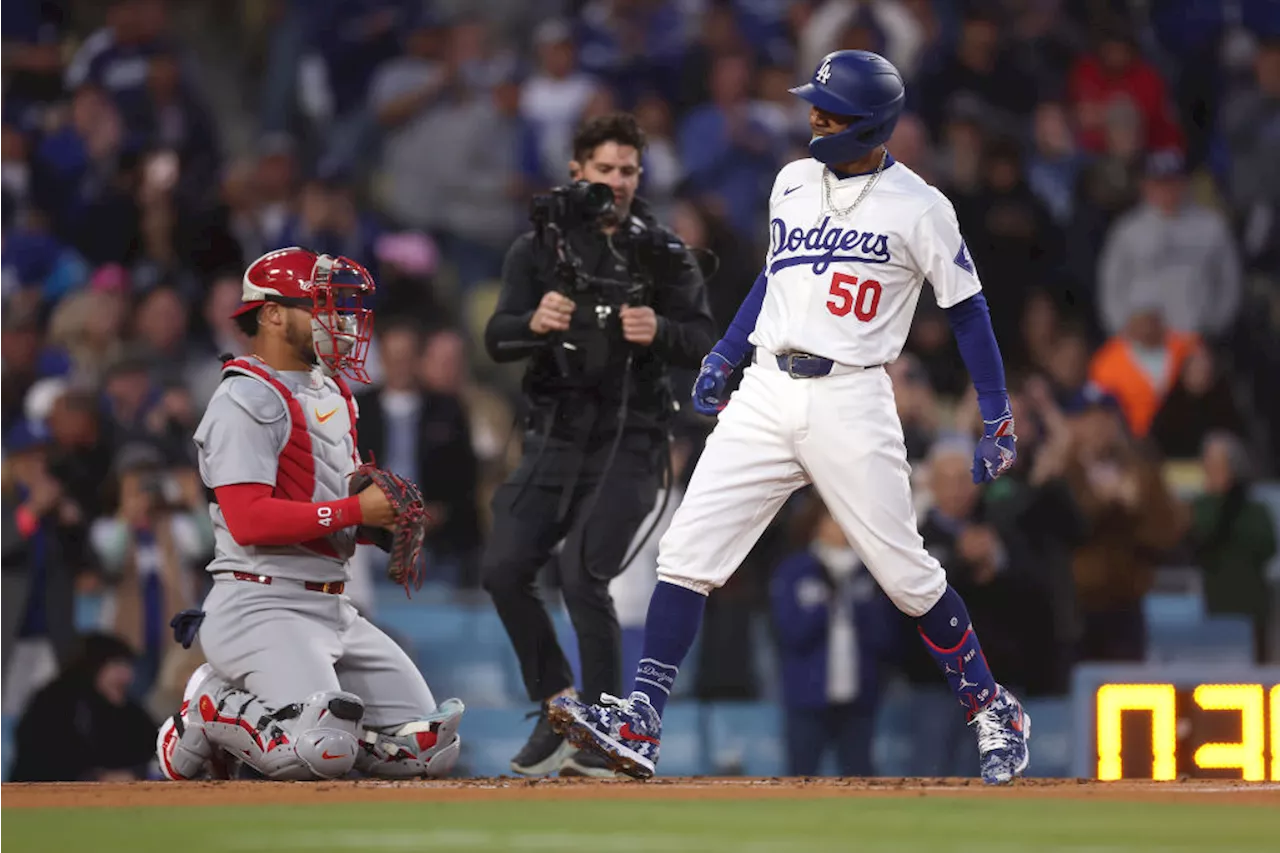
<point x="334" y="290"/>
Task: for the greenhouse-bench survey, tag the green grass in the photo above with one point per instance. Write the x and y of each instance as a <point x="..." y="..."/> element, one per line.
<point x="883" y="825"/>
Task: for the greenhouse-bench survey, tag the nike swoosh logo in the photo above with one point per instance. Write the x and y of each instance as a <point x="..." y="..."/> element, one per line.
<point x="792" y="189"/>
<point x="326" y="755"/>
<point x="325" y="417"/>
<point x="626" y="734"/>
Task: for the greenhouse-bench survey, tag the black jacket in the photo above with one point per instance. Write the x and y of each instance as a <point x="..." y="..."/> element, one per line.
<point x="447" y="465"/>
<point x="686" y="330"/>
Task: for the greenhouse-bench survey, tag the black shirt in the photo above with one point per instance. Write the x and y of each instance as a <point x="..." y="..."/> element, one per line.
<point x="686" y="330"/>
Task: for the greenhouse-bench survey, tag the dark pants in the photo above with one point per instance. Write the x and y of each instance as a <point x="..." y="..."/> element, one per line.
<point x="850" y="728"/>
<point x="526" y="527"/>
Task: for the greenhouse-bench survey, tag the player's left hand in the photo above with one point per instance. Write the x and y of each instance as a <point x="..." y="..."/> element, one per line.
<point x="997" y="449"/>
<point x="639" y="324"/>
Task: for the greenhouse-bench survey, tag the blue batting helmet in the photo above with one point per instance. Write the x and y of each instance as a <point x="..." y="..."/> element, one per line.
<point x="860" y="85"/>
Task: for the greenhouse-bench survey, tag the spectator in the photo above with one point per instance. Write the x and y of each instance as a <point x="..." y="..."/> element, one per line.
<point x="730" y="156"/>
<point x="911" y="147"/>
<point x="917" y="405"/>
<point x="1053" y="169"/>
<point x="662" y="170"/>
<point x="634" y="47"/>
<point x="128" y="393"/>
<point x="483" y="181"/>
<point x="978" y="71"/>
<point x="897" y="33"/>
<point x="38" y="618"/>
<point x="329" y="221"/>
<point x="702" y="229"/>
<point x="33" y="36"/>
<point x="718" y="33"/>
<point x="160" y="327"/>
<point x="1010" y="234"/>
<point x="350" y="39"/>
<point x="222" y="337"/>
<point x="1067" y="369"/>
<point x="405" y="95"/>
<point x="1201" y="402"/>
<point x="1116" y="71"/>
<point x="159" y="534"/>
<point x="1139" y="367"/>
<point x="85" y="182"/>
<point x="1035" y="499"/>
<point x="786" y="115"/>
<point x="1249" y="129"/>
<point x="88" y="325"/>
<point x="962" y="140"/>
<point x="1172" y="252"/>
<point x="443" y="369"/>
<point x="178" y="122"/>
<point x="554" y="98"/>
<point x="831" y="622"/>
<point x="19" y="349"/>
<point x="83" y="727"/>
<point x="1233" y="537"/>
<point x="116" y="56"/>
<point x="1133" y="519"/>
<point x="424" y="436"/>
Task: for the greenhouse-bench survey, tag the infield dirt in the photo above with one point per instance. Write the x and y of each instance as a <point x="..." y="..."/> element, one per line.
<point x="114" y="795"/>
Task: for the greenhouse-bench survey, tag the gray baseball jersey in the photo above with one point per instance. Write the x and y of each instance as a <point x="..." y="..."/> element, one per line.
<point x="249" y="434"/>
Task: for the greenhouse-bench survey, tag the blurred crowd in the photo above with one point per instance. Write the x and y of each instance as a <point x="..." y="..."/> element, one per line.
<point x="1113" y="166"/>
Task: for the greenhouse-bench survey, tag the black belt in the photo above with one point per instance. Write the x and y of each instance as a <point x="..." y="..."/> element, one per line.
<point x="801" y="365"/>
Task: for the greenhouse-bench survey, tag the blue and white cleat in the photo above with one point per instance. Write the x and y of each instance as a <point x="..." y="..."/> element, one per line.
<point x="625" y="731"/>
<point x="1003" y="731"/>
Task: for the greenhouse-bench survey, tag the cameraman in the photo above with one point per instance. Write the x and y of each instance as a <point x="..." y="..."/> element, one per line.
<point x="601" y="299"/>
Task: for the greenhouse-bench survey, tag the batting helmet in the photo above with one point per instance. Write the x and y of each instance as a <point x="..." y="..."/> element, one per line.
<point x="861" y="86"/>
<point x="334" y="290"/>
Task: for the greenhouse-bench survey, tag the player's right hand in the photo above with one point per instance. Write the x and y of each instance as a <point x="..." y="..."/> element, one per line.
<point x="375" y="508"/>
<point x="708" y="389"/>
<point x="553" y="314"/>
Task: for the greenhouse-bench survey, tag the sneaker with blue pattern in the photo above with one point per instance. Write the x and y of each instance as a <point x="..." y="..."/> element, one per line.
<point x="625" y="731"/>
<point x="1003" y="730"/>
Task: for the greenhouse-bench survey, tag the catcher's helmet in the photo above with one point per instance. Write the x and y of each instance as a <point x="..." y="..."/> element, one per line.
<point x="332" y="289"/>
<point x="860" y="85"/>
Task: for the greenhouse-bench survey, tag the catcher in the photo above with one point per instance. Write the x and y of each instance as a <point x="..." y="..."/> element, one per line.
<point x="298" y="685"/>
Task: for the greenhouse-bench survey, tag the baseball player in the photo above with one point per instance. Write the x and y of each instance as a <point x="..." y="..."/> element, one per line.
<point x="298" y="685"/>
<point x="853" y="237"/>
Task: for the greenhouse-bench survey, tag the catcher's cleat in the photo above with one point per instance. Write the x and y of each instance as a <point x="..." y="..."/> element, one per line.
<point x="625" y="732"/>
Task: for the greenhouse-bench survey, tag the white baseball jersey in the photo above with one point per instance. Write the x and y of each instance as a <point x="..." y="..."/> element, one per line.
<point x="846" y="287"/>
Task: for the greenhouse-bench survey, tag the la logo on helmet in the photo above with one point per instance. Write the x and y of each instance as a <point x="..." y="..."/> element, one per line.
<point x="824" y="73"/>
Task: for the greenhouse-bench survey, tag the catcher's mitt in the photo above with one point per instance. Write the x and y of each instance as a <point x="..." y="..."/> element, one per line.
<point x="404" y="544"/>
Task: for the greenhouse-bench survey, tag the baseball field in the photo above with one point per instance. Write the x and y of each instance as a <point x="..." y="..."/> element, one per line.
<point x="668" y="815"/>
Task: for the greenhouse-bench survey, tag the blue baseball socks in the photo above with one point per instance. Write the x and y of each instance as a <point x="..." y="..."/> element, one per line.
<point x="675" y="613"/>
<point x="949" y="637"/>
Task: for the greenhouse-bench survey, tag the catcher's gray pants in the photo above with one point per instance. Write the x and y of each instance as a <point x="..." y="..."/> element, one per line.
<point x="283" y="642"/>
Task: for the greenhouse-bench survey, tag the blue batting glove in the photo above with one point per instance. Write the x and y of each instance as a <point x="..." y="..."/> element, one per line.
<point x="997" y="449"/>
<point x="708" y="388"/>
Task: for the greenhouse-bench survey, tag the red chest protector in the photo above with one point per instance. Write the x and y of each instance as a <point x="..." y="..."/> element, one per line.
<point x="296" y="468"/>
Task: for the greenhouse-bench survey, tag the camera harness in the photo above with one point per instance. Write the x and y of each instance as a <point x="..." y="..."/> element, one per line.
<point x="568" y="270"/>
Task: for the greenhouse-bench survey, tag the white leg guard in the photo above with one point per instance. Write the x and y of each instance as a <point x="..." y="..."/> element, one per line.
<point x="314" y="739"/>
<point x="426" y="747"/>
